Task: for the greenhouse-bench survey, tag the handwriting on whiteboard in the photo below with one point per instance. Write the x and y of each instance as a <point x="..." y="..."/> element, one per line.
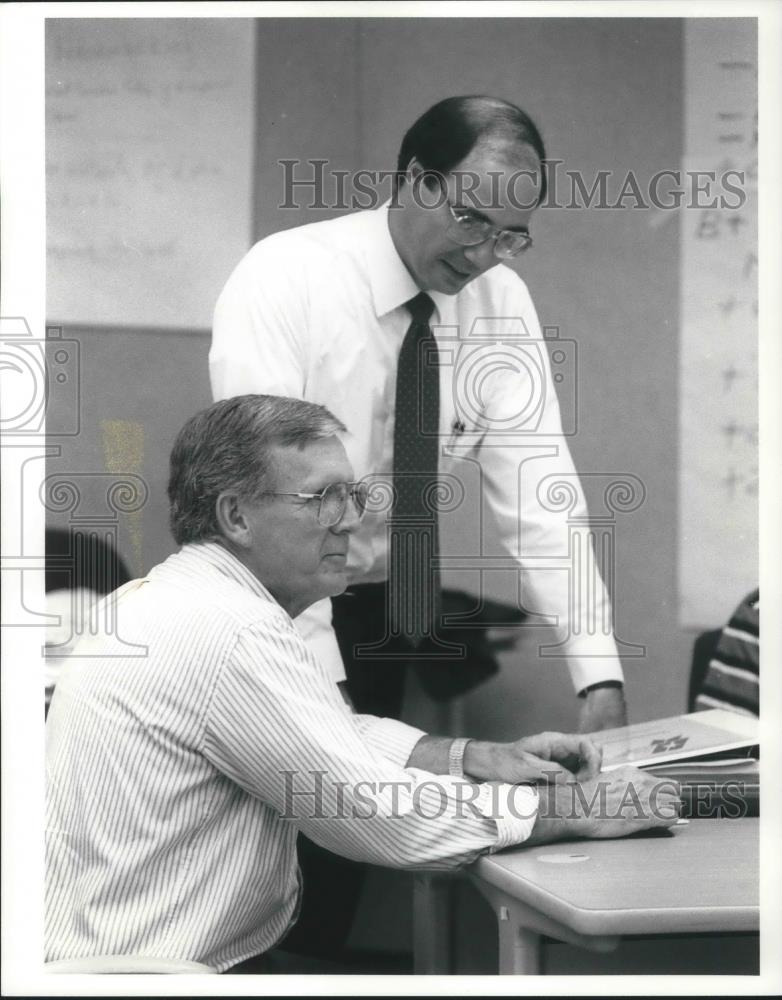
<point x="718" y="472"/>
<point x="149" y="167"/>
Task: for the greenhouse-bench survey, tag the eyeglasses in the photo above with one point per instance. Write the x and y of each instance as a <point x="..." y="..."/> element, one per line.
<point x="469" y="230"/>
<point x="333" y="500"/>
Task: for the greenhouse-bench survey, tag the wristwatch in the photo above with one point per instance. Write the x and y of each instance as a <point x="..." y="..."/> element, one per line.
<point x="600" y="684"/>
<point x="456" y="757"/>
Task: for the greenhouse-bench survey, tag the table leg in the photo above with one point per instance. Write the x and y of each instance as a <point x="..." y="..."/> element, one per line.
<point x="520" y="928"/>
<point x="519" y="947"/>
<point x="432" y="924"/>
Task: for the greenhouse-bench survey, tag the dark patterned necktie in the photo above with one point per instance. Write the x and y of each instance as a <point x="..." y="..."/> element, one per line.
<point x="414" y="584"/>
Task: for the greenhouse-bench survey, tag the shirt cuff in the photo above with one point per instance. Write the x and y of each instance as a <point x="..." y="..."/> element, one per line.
<point x="391" y="739"/>
<point x="514" y="808"/>
<point x="593" y="662"/>
<point x="601" y="686"/>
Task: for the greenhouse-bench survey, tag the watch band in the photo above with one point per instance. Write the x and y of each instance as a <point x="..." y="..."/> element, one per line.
<point x="456" y="757"/>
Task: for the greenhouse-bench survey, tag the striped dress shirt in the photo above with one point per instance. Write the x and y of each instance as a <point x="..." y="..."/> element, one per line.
<point x="188" y="745"/>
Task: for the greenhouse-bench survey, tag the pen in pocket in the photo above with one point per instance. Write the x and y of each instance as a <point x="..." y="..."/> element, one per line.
<point x="457" y="429"/>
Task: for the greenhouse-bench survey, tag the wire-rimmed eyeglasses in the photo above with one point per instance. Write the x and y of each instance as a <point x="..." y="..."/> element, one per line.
<point x="333" y="500"/>
<point x="469" y="229"/>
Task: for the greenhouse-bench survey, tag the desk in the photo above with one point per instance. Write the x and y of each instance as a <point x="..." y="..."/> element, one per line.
<point x="702" y="877"/>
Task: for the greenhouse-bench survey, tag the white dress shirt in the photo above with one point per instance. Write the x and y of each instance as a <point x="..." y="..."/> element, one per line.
<point x="318" y="313"/>
<point x="187" y="749"/>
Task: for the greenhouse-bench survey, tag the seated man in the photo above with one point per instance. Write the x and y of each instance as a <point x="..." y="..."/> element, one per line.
<point x="179" y="778"/>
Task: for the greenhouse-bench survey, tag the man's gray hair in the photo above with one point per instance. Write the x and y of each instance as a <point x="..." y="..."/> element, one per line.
<point x="227" y="447"/>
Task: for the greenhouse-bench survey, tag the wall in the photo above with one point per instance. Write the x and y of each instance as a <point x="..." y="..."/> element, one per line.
<point x="138" y="388"/>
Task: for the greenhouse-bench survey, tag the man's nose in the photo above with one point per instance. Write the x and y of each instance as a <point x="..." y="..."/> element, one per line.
<point x="350" y="519"/>
<point x="481" y="255"/>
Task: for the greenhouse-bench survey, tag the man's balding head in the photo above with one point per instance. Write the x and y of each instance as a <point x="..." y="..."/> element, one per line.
<point x="445" y="135"/>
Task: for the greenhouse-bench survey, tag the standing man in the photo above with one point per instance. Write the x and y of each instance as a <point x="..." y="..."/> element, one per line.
<point x="350" y="313"/>
<point x="397" y="320"/>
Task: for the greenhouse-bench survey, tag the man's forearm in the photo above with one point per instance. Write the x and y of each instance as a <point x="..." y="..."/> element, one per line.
<point x="529" y="760"/>
<point x="591" y="807"/>
<point x="553" y="821"/>
<point x="557" y="817"/>
<point x="602" y="707"/>
<point x="431" y="754"/>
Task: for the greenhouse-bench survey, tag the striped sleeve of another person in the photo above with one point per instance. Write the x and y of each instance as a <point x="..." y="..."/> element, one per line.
<point x="732" y="678"/>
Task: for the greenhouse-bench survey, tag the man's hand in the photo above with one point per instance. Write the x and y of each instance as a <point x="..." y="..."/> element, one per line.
<point x="603" y="708"/>
<point x="616" y="804"/>
<point x="548" y="757"/>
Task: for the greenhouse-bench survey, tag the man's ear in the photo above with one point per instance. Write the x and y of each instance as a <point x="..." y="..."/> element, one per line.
<point x="229" y="513"/>
<point x="414" y="169"/>
<point x="417" y="174"/>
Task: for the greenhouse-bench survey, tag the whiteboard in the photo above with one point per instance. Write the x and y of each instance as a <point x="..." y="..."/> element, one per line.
<point x="718" y="471"/>
<point x="149" y="138"/>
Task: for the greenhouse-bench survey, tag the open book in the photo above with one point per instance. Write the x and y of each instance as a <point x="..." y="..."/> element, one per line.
<point x="678" y="739"/>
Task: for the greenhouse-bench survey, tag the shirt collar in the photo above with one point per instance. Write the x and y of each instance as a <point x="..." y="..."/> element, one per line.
<point x="392" y="284"/>
<point x="216" y="555"/>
